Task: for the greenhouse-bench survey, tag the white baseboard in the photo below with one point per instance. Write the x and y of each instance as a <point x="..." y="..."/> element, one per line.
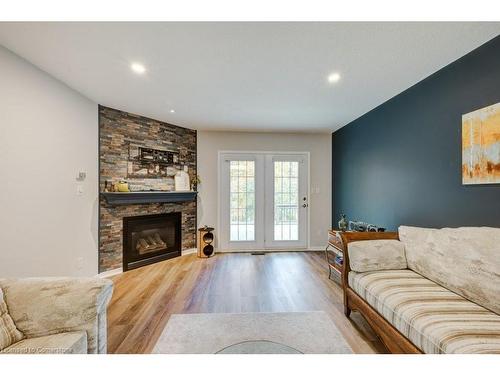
<point x="118" y="271"/>
<point x="316" y="248"/>
<point x="110" y="273"/>
<point x="193" y="250"/>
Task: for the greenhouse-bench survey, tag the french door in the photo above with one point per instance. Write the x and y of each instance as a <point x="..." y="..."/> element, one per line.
<point x="263" y="201"/>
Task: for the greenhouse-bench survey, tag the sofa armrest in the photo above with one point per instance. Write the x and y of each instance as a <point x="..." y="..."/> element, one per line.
<point x="377" y="255"/>
<point x="45" y="306"/>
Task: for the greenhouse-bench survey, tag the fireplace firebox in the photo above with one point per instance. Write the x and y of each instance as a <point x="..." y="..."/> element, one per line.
<point x="150" y="239"/>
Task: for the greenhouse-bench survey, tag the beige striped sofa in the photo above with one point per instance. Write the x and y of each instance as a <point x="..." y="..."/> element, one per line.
<point x="437" y="289"/>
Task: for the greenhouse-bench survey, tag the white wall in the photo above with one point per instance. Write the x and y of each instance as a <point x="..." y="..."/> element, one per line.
<point x="319" y="146"/>
<point x="48" y="132"/>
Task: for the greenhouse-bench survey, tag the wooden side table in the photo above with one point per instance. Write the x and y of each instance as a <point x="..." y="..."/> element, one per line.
<point x="334" y="254"/>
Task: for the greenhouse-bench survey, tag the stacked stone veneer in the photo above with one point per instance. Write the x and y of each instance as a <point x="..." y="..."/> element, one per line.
<point x="119" y="130"/>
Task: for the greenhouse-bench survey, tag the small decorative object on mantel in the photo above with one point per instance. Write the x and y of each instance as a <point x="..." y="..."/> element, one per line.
<point x="122" y="187"/>
<point x="205" y="240"/>
<point x="195" y="182"/>
<point x="182" y="180"/>
<point x="343" y="223"/>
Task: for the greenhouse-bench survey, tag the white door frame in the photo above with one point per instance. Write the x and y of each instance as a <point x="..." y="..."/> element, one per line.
<point x="220" y="156"/>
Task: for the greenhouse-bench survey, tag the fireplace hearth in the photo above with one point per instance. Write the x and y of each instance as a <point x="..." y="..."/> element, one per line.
<point x="151" y="238"/>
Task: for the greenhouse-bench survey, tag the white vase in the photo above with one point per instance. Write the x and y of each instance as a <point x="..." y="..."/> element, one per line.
<point x="182" y="181"/>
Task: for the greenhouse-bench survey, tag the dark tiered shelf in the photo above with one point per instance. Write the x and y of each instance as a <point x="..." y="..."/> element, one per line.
<point x="144" y="197"/>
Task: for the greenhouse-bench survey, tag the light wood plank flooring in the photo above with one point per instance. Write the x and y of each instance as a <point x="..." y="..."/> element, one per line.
<point x="144" y="299"/>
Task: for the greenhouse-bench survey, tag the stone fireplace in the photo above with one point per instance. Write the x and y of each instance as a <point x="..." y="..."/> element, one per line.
<point x="122" y="223"/>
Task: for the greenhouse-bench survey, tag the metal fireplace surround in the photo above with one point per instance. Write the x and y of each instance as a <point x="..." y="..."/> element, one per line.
<point x="151" y="238"/>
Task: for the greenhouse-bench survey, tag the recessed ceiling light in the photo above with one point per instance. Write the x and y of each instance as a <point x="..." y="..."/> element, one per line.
<point x="334" y="77"/>
<point x="172" y="111"/>
<point x="138" y="68"/>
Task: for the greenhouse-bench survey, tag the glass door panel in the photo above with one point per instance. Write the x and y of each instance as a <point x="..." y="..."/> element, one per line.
<point x="286" y="200"/>
<point x="242" y="200"/>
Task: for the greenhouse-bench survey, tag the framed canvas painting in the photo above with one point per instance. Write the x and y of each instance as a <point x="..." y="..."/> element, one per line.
<point x="481" y="146"/>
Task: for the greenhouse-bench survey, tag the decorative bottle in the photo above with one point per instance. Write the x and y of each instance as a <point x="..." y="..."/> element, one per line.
<point x="343" y="223"/>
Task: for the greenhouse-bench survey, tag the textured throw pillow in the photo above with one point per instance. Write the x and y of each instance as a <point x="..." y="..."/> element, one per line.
<point x="375" y="255"/>
<point x="9" y="334"/>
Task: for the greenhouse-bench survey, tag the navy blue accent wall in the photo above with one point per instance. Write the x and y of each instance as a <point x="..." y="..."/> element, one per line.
<point x="400" y="164"/>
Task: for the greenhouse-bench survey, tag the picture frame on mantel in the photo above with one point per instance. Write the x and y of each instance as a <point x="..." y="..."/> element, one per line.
<point x="481" y="146"/>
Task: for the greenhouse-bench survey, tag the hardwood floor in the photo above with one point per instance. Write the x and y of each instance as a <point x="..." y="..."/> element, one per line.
<point x="145" y="298"/>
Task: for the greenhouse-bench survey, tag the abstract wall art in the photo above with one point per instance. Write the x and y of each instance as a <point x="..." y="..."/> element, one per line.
<point x="481" y="146"/>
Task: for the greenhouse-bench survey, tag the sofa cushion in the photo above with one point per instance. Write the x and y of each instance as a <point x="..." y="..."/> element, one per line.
<point x="464" y="260"/>
<point x="61" y="343"/>
<point x="376" y="255"/>
<point x="9" y="334"/>
<point x="433" y="318"/>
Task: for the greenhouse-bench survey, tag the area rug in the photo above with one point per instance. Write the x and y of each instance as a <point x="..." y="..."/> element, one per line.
<point x="251" y="333"/>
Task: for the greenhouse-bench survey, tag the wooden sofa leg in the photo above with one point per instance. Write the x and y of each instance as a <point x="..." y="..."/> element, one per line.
<point x="347" y="308"/>
<point x="347" y="311"/>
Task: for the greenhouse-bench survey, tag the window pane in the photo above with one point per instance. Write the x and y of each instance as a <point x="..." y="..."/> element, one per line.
<point x="250" y="231"/>
<point x="277" y="232"/>
<point x="234" y="232"/>
<point x="242" y="200"/>
<point x="286" y="200"/>
<point x="250" y="184"/>
<point x="242" y="184"/>
<point x="250" y="169"/>
<point x="234" y="184"/>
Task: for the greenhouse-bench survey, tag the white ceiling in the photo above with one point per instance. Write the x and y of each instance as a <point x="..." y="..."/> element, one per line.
<point x="244" y="76"/>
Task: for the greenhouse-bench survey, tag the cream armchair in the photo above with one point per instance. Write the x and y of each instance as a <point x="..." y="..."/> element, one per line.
<point x="58" y="315"/>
